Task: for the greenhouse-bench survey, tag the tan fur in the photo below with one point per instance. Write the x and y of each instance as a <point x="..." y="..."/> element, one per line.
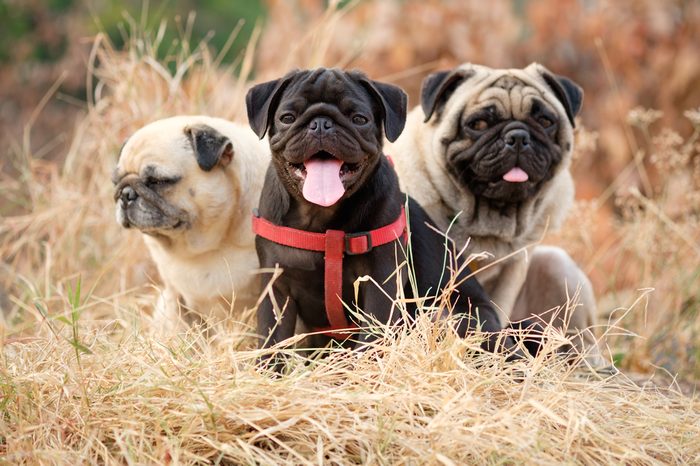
<point x="419" y="156"/>
<point x="562" y="295"/>
<point x="209" y="265"/>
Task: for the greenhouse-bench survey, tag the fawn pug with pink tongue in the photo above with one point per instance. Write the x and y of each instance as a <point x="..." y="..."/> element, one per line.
<point x="331" y="211"/>
<point x="487" y="153"/>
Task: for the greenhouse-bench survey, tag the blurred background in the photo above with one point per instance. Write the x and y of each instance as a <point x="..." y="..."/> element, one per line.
<point x="637" y="163"/>
<point x="624" y="53"/>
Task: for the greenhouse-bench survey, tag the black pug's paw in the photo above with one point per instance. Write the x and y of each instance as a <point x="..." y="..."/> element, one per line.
<point x="275" y="364"/>
<point x="530" y="332"/>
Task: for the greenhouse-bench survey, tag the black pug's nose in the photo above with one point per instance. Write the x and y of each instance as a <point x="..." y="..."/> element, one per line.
<point x="321" y="126"/>
<point x="517" y="138"/>
<point x="128" y="195"/>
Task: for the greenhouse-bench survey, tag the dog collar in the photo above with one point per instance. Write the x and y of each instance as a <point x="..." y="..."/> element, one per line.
<point x="335" y="244"/>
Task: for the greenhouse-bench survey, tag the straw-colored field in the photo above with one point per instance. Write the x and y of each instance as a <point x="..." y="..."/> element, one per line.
<point x="84" y="380"/>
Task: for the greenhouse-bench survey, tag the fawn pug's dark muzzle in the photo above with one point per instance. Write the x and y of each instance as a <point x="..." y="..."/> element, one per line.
<point x="504" y="133"/>
<point x="507" y="162"/>
<point x="142" y="207"/>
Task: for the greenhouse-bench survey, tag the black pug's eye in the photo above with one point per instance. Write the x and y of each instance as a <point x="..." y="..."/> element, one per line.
<point x="545" y="122"/>
<point x="479" y="124"/>
<point x="359" y="120"/>
<point x="287" y="119"/>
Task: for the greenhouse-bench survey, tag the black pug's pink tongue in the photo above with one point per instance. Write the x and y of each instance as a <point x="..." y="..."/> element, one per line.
<point x="516" y="175"/>
<point x="322" y="184"/>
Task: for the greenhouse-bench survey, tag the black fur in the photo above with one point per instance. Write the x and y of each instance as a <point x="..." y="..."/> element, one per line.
<point x="394" y="103"/>
<point x="261" y="101"/>
<point x="373" y="199"/>
<point x="209" y="145"/>
<point x="437" y="88"/>
<point x="568" y="93"/>
<point x="531" y="333"/>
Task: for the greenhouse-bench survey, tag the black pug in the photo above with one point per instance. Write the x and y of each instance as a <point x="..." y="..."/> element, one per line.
<point x="328" y="172"/>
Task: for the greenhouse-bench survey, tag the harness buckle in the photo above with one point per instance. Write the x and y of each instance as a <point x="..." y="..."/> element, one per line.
<point x="351" y="236"/>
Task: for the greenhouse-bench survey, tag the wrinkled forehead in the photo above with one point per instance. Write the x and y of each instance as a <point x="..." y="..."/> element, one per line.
<point x="325" y="86"/>
<point x="511" y="92"/>
<point x="153" y="147"/>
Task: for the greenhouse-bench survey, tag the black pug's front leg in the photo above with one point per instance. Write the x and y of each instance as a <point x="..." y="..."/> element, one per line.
<point x="272" y="330"/>
<point x="469" y="300"/>
<point x="476" y="313"/>
<point x="377" y="304"/>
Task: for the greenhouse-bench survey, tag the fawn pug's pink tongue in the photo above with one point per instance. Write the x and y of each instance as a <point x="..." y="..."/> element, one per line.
<point x="322" y="184"/>
<point x="516" y="175"/>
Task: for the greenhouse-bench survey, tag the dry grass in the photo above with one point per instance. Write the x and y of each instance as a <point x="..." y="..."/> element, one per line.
<point x="416" y="400"/>
<point x="84" y="381"/>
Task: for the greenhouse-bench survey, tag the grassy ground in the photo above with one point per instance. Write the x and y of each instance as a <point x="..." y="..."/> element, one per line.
<point x="83" y="379"/>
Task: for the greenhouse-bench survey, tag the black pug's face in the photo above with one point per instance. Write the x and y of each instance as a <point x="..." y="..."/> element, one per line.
<point x="506" y="138"/>
<point x="325" y="129"/>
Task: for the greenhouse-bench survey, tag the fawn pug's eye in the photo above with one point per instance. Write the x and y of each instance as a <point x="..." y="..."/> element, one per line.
<point x="545" y="122"/>
<point x="479" y="124"/>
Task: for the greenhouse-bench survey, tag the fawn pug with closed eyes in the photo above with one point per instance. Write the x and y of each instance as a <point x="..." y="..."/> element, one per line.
<point x="189" y="183"/>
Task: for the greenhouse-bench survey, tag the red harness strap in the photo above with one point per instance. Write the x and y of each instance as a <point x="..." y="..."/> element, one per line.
<point x="335" y="244"/>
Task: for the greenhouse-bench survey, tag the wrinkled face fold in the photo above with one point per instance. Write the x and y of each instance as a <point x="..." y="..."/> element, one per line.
<point x="325" y="136"/>
<point x="141" y="201"/>
<point x="506" y="143"/>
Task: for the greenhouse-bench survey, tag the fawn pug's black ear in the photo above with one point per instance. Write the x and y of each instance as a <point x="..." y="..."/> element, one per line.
<point x="438" y="87"/>
<point x="567" y="92"/>
<point x="394" y="103"/>
<point x="211" y="148"/>
<point x="262" y="101"/>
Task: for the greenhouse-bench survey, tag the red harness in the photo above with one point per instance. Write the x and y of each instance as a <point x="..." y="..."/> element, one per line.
<point x="335" y="243"/>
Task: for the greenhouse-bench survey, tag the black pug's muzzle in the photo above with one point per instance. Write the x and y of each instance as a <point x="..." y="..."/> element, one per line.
<point x="507" y="163"/>
<point x="325" y="129"/>
<point x="145" y="209"/>
<point x="325" y="156"/>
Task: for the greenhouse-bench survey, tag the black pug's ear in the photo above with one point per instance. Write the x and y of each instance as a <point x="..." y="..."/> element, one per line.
<point x="567" y="92"/>
<point x="394" y="103"/>
<point x="261" y="102"/>
<point x="210" y="146"/>
<point x="438" y="87"/>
